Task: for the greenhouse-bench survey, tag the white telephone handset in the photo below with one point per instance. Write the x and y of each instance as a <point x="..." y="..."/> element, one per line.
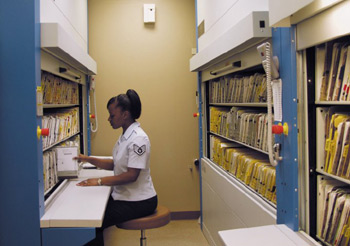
<point x="92" y="90"/>
<point x="271" y="66"/>
<point x="268" y="59"/>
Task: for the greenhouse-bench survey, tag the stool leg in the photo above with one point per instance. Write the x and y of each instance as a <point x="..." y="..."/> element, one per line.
<point x="143" y="241"/>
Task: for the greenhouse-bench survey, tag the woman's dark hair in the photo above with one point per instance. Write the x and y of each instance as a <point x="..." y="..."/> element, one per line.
<point x="128" y="102"/>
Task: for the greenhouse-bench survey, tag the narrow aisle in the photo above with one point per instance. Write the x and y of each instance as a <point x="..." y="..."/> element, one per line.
<point x="177" y="232"/>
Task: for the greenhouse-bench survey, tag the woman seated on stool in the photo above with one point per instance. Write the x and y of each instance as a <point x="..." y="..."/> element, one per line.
<point x="133" y="194"/>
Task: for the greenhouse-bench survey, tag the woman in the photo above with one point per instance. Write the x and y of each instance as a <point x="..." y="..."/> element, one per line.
<point x="133" y="195"/>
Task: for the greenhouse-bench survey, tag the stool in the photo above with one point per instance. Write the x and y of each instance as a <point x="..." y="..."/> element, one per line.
<point x="159" y="218"/>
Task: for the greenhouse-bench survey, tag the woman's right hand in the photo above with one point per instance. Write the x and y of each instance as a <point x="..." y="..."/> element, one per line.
<point x="81" y="158"/>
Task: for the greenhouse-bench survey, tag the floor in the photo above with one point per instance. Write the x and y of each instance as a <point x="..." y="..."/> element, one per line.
<point x="177" y="232"/>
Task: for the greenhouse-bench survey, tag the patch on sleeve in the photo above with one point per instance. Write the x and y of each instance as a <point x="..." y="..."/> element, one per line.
<point x="139" y="150"/>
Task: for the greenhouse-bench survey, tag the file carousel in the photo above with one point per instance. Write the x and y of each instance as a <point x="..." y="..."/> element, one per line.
<point x="307" y="193"/>
<point x="70" y="212"/>
<point x="238" y="181"/>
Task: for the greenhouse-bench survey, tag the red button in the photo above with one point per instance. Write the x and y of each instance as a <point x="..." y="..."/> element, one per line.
<point x="45" y="132"/>
<point x="276" y="129"/>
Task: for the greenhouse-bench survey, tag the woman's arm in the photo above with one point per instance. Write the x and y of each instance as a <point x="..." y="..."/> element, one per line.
<point x="129" y="176"/>
<point x="106" y="164"/>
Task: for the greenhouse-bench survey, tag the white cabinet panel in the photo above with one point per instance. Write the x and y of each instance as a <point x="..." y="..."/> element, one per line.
<point x="228" y="204"/>
<point x="252" y="29"/>
<point x="71" y="15"/>
<point x="76" y="13"/>
<point x="216" y="215"/>
<point x="220" y="16"/>
<point x="328" y="25"/>
<point x="281" y="10"/>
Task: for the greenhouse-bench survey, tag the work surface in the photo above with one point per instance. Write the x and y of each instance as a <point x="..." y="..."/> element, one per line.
<point x="271" y="235"/>
<point x="77" y="206"/>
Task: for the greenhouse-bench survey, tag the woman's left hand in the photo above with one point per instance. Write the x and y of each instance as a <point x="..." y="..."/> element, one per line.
<point x="88" y="182"/>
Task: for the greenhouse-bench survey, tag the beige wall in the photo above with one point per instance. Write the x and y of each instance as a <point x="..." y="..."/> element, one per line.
<point x="153" y="60"/>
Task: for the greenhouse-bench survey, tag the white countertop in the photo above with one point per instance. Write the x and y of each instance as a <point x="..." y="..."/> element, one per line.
<point x="78" y="206"/>
<point x="271" y="235"/>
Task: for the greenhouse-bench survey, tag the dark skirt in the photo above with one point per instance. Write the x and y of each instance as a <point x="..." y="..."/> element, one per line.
<point x="121" y="211"/>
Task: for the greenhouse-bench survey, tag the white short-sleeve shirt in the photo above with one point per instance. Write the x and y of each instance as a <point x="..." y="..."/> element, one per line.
<point x="133" y="150"/>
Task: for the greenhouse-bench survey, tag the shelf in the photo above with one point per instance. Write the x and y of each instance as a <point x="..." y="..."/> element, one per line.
<point x="332" y="103"/>
<point x="323" y="242"/>
<point x="325" y="143"/>
<point x="67" y="208"/>
<point x="60" y="105"/>
<point x="61" y="141"/>
<point x="326" y="204"/>
<point x="238" y="142"/>
<point x="347" y="181"/>
<point x="253" y="104"/>
<point x="321" y="116"/>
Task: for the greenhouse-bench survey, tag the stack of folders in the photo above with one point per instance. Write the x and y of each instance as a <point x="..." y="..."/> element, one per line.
<point x="50" y="163"/>
<point x="334" y="209"/>
<point x="61" y="125"/>
<point x="247" y="165"/>
<point x="50" y="169"/>
<point x="218" y="121"/>
<point x="71" y="142"/>
<point x="238" y="89"/>
<point x="337" y="140"/>
<point x="248" y="126"/>
<point x="57" y="90"/>
<point x="335" y="82"/>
